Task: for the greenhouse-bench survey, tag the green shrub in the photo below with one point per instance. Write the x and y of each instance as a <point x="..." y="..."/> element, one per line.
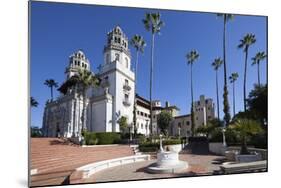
<point x="92" y="138"/>
<point x="149" y="147"/>
<point x="216" y="136"/>
<point x="171" y="142"/>
<point x="259" y="141"/>
<point x="108" y="138"/>
<point x="142" y="139"/>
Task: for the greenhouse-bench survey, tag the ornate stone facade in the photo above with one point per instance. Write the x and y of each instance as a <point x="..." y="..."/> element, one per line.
<point x="106" y="103"/>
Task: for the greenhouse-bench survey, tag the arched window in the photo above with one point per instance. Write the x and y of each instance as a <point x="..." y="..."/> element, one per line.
<point x="126" y="62"/>
<point x="117" y="57"/>
<point x="107" y="58"/>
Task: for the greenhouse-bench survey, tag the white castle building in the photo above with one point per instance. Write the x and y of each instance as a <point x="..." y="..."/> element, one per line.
<point x="104" y="104"/>
<point x="111" y="100"/>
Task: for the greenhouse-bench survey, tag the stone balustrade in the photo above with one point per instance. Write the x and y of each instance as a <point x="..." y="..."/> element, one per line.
<point x="90" y="169"/>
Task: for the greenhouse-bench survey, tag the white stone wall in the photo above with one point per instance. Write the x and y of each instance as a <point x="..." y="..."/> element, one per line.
<point x="101" y="115"/>
<point x="125" y="110"/>
<point x="143" y="120"/>
<point x="63" y="115"/>
<point x="117" y="72"/>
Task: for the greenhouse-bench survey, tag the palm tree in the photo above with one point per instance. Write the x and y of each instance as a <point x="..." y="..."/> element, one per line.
<point x="232" y="79"/>
<point x="245" y="43"/>
<point x="226" y="18"/>
<point x="152" y="23"/>
<point x="246" y="128"/>
<point x="33" y="102"/>
<point x="216" y="64"/>
<point x="85" y="79"/>
<point x="256" y="60"/>
<point x="51" y="84"/>
<point x="138" y="43"/>
<point x="191" y="57"/>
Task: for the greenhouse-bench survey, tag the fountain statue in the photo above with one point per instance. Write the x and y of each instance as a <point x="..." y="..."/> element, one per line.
<point x="167" y="162"/>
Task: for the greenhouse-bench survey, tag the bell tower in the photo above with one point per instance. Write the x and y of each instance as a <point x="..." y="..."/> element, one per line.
<point x="77" y="61"/>
<point x="116" y="49"/>
<point x="116" y="69"/>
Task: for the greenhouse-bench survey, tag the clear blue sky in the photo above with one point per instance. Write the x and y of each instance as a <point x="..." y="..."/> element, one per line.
<point x="58" y="30"/>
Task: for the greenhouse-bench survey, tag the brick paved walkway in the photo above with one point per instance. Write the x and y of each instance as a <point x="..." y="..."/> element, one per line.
<point x="56" y="159"/>
<point x="198" y="165"/>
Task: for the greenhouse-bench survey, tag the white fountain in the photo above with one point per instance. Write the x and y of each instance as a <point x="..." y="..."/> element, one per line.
<point x="167" y="162"/>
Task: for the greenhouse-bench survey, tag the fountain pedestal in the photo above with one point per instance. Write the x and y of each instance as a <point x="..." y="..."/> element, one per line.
<point x="167" y="162"/>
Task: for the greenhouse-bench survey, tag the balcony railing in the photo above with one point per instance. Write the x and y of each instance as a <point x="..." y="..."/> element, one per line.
<point x="126" y="102"/>
<point x="127" y="87"/>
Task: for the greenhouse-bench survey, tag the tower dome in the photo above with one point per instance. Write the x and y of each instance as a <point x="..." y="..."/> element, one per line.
<point x="77" y="61"/>
<point x="117" y="40"/>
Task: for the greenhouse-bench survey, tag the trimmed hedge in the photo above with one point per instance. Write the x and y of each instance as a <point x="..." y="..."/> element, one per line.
<point x="92" y="138"/>
<point x="171" y="142"/>
<point x="154" y="146"/>
<point x="149" y="147"/>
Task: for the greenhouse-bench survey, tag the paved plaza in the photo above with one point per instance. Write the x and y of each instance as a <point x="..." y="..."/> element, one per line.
<point x="198" y="165"/>
<point x="56" y="159"/>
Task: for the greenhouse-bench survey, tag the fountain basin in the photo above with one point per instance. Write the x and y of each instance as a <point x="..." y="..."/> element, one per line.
<point x="176" y="147"/>
<point x="167" y="162"/>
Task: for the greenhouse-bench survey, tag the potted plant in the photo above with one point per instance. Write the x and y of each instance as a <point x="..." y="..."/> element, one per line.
<point x="173" y="145"/>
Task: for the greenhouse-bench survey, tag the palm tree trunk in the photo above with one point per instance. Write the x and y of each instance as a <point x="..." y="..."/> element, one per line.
<point x="244" y="148"/>
<point x="83" y="118"/>
<point x="266" y="73"/>
<point x="52" y="93"/>
<point x="151" y="80"/>
<point x="218" y="107"/>
<point x="135" y="99"/>
<point x="259" y="73"/>
<point x="233" y="98"/>
<point x="224" y="51"/>
<point x="192" y="110"/>
<point x="245" y="77"/>
<point x="225" y="90"/>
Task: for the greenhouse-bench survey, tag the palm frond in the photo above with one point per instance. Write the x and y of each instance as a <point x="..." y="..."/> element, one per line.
<point x="138" y="43"/>
<point x="217" y="63"/>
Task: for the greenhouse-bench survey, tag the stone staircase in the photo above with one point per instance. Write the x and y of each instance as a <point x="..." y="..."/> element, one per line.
<point x="136" y="149"/>
<point x="52" y="160"/>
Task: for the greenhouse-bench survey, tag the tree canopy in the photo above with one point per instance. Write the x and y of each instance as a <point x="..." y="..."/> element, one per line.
<point x="123" y="123"/>
<point x="258" y="103"/>
<point x="245" y="128"/>
<point x="164" y="119"/>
